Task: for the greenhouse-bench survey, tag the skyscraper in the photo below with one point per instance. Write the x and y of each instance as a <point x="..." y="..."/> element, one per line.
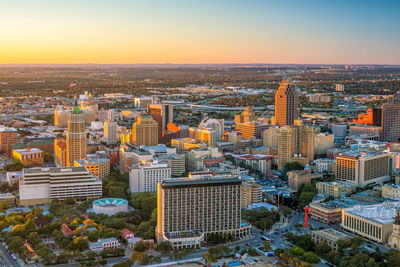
<point x="162" y="114"/>
<point x="76" y="136"/>
<point x="296" y="143"/>
<point x="247" y="115"/>
<point x="286" y="104"/>
<point x="391" y="119"/>
<point x="145" y="131"/>
<point x="110" y="132"/>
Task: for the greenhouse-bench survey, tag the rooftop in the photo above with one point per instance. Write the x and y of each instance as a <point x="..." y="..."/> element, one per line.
<point x="91" y="161"/>
<point x="380" y="213"/>
<point x="199" y="181"/>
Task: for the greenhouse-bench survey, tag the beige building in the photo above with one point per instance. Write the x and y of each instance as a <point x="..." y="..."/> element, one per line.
<point x="362" y="168"/>
<point x="374" y="222"/>
<point x="185" y="144"/>
<point x="110" y="132"/>
<point x="296" y="143"/>
<point x="60" y="152"/>
<point x="162" y="114"/>
<point x="196" y="156"/>
<point x="251" y="193"/>
<point x="330" y="236"/>
<point x="203" y="135"/>
<point x="326" y="212"/>
<point x="42" y="185"/>
<point x="391" y="191"/>
<point x="270" y="137"/>
<point x="177" y="163"/>
<point x="297" y="178"/>
<point x="246" y="116"/>
<point x="365" y="129"/>
<point x="145" y="131"/>
<point x="319" y="99"/>
<point x="286" y="104"/>
<point x="76" y="137"/>
<point x="28" y="156"/>
<point x="207" y="205"/>
<point x="333" y="189"/>
<point x="323" y="142"/>
<point x="8" y="136"/>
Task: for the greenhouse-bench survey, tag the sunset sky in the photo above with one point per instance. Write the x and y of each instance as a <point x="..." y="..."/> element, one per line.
<point x="203" y="31"/>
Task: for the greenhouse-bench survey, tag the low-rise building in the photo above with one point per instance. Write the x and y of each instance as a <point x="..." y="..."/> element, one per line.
<point x="323" y="165"/>
<point x="330" y="236"/>
<point x="28" y="156"/>
<point x="298" y="177"/>
<point x="333" y="189"/>
<point x="144" y="176"/>
<point x="104" y="244"/>
<point x="8" y="198"/>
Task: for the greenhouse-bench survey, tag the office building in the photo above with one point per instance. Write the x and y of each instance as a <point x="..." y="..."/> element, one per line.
<point x="162" y="114"/>
<point x="323" y="142"/>
<point x="42" y="185"/>
<point x="145" y="131"/>
<point x="195" y="157"/>
<point x="391" y="119"/>
<point x="144" y="176"/>
<point x="377" y="117"/>
<point x="251" y="192"/>
<point x="362" y="168"/>
<point x="8" y="136"/>
<point x="323" y="165"/>
<point x="339" y="130"/>
<point x="185" y="144"/>
<point x="106" y="115"/>
<point x="177" y="163"/>
<point x="110" y="132"/>
<point x="251" y="129"/>
<point x="130" y="154"/>
<point x="76" y="137"/>
<point x="143" y="102"/>
<point x="201" y="206"/>
<point x="298" y="177"/>
<point x="296" y="144"/>
<point x="391" y="191"/>
<point x="365" y="129"/>
<point x="286" y="104"/>
<point x="333" y="189"/>
<point x="330" y="236"/>
<point x="28" y="156"/>
<point x="99" y="167"/>
<point x="270" y="136"/>
<point x="203" y="135"/>
<point x="319" y="99"/>
<point x="373" y="222"/>
<point x="247" y="115"/>
<point x="217" y="125"/>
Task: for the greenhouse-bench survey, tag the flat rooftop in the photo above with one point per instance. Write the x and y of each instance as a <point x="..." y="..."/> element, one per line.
<point x="198" y="181"/>
<point x="332" y="234"/>
<point x="56" y="170"/>
<point x="380" y="213"/>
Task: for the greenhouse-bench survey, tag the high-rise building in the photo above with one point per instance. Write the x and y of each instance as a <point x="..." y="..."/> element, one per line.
<point x="110" y="132"/>
<point x="296" y="143"/>
<point x="251" y="129"/>
<point x="377" y="117"/>
<point x="339" y="130"/>
<point x="298" y="177"/>
<point x="106" y="115"/>
<point x="162" y="114"/>
<point x="203" y="135"/>
<point x="214" y="124"/>
<point x="144" y="176"/>
<point x="362" y="168"/>
<point x="247" y="115"/>
<point x="42" y="185"/>
<point x="201" y="207"/>
<point x="130" y="154"/>
<point x="286" y="104"/>
<point x="76" y="137"/>
<point x="323" y="142"/>
<point x="145" y="131"/>
<point x="270" y="136"/>
<point x="391" y="119"/>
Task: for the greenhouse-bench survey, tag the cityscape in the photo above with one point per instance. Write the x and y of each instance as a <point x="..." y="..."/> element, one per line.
<point x="141" y="133"/>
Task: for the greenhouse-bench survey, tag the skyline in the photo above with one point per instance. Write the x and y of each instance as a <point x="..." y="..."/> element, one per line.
<point x="187" y="32"/>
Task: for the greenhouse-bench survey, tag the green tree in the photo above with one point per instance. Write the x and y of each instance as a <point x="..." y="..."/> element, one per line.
<point x="322" y="248"/>
<point x="164" y="247"/>
<point x="310" y="257"/>
<point x="141" y="246"/>
<point x="34" y="238"/>
<point x="80" y="243"/>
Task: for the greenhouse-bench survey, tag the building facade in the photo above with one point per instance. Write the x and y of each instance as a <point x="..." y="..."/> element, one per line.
<point x="286" y="104"/>
<point x="76" y="137"/>
<point x="144" y="176"/>
<point x="145" y="131"/>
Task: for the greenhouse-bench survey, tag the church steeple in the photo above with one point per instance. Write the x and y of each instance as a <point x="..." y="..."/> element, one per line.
<point x="397" y="219"/>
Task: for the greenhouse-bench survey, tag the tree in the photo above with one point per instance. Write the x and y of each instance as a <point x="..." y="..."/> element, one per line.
<point x="164" y="247"/>
<point x="322" y="248"/>
<point x="292" y="166"/>
<point x="16" y="244"/>
<point x="342" y="244"/>
<point x="286" y="211"/>
<point x="207" y="257"/>
<point x="48" y="157"/>
<point x="141" y="246"/>
<point x="122" y="264"/>
<point x="69" y="201"/>
<point x="264" y="223"/>
<point x="80" y="243"/>
<point x="34" y="238"/>
<point x="13" y="167"/>
<point x="297" y="251"/>
<point x="310" y="257"/>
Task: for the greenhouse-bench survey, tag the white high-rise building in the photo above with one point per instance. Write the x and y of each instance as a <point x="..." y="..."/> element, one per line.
<point x="216" y="125"/>
<point x="144" y="176"/>
<point x="110" y="132"/>
<point x="106" y="115"/>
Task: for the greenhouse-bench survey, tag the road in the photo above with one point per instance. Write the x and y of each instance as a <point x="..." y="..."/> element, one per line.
<point x="6" y="259"/>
